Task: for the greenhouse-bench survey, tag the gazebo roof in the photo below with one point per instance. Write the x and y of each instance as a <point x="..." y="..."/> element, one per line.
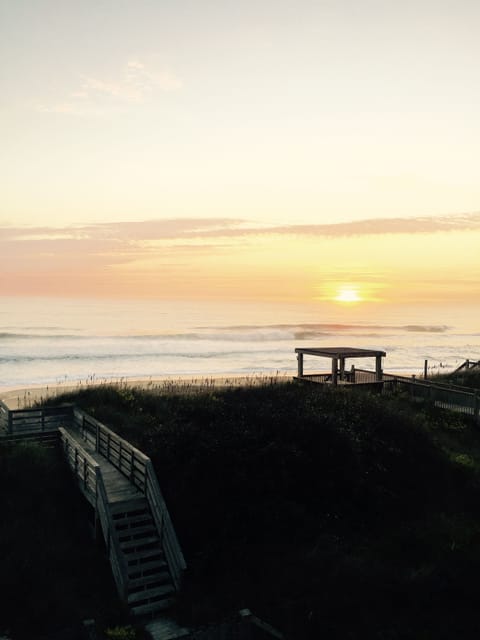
<point x="340" y="352"/>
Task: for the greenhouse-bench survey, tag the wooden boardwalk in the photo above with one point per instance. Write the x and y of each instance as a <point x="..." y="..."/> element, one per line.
<point x="120" y="484"/>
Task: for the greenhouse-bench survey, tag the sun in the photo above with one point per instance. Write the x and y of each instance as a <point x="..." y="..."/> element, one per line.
<point x="347" y="294"/>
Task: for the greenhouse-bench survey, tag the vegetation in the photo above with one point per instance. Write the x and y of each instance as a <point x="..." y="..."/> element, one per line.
<point x="52" y="574"/>
<point x="331" y="514"/>
<point x="465" y="378"/>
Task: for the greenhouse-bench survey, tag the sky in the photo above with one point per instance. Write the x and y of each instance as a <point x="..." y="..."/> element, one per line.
<point x="282" y="150"/>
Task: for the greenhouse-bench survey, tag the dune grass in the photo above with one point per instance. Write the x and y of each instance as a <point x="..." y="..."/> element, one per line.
<point x="465" y="378"/>
<point x="331" y="514"/>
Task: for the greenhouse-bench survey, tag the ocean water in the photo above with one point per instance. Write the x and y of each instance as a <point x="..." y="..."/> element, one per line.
<point x="62" y="341"/>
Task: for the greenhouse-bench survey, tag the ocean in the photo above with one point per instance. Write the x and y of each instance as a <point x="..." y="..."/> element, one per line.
<point x="46" y="341"/>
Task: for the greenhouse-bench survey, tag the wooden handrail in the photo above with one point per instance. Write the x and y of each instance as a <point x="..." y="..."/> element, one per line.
<point x="171" y="547"/>
<point x="4" y="417"/>
<point x="115" y="555"/>
<point x="83" y="465"/>
<point x="129" y="460"/>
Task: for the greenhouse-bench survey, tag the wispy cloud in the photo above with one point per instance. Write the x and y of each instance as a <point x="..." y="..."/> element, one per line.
<point x="134" y="83"/>
<point x="216" y="228"/>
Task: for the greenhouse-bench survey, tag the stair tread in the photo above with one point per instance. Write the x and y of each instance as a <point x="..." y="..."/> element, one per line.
<point x="136" y="533"/>
<point x="138" y="570"/>
<point x="127" y="524"/>
<point x="128" y="545"/>
<point x="150" y="594"/>
<point x="129" y="506"/>
<point x="143" y="554"/>
<point x="162" y="577"/>
<point x="152" y="607"/>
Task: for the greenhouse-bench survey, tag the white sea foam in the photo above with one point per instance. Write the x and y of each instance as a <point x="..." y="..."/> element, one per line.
<point x="53" y="341"/>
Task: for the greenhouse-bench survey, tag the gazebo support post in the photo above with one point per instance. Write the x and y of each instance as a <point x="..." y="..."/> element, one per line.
<point x="334" y="370"/>
<point x="300" y="364"/>
<point x="378" y="367"/>
<point x="342" y="368"/>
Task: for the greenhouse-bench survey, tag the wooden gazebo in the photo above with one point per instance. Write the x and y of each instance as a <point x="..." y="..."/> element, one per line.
<point x="338" y="356"/>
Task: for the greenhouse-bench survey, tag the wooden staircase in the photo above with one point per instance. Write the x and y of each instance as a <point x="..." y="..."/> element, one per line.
<point x="149" y="586"/>
<point x="120" y="484"/>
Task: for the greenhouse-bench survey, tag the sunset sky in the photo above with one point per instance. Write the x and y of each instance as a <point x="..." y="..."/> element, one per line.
<point x="274" y="150"/>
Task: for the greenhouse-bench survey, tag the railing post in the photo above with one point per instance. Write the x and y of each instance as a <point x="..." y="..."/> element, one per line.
<point x="10" y="422"/>
<point x="132" y="459"/>
<point x="76" y="462"/>
<point x="85" y="473"/>
<point x="476" y="406"/>
<point x="97" y="437"/>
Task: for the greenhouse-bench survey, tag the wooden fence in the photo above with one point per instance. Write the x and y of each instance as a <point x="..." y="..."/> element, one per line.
<point x="439" y="394"/>
<point x="445" y="396"/>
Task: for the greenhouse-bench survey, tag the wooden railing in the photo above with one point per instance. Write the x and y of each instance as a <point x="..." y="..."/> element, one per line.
<point x="4" y="417"/>
<point x="163" y="522"/>
<point x="28" y="421"/>
<point x="138" y="468"/>
<point x="468" y="364"/>
<point x="317" y="377"/>
<point x="82" y="464"/>
<point x="88" y="475"/>
<point x="439" y="394"/>
<point x="119" y="452"/>
<point x="454" y="398"/>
